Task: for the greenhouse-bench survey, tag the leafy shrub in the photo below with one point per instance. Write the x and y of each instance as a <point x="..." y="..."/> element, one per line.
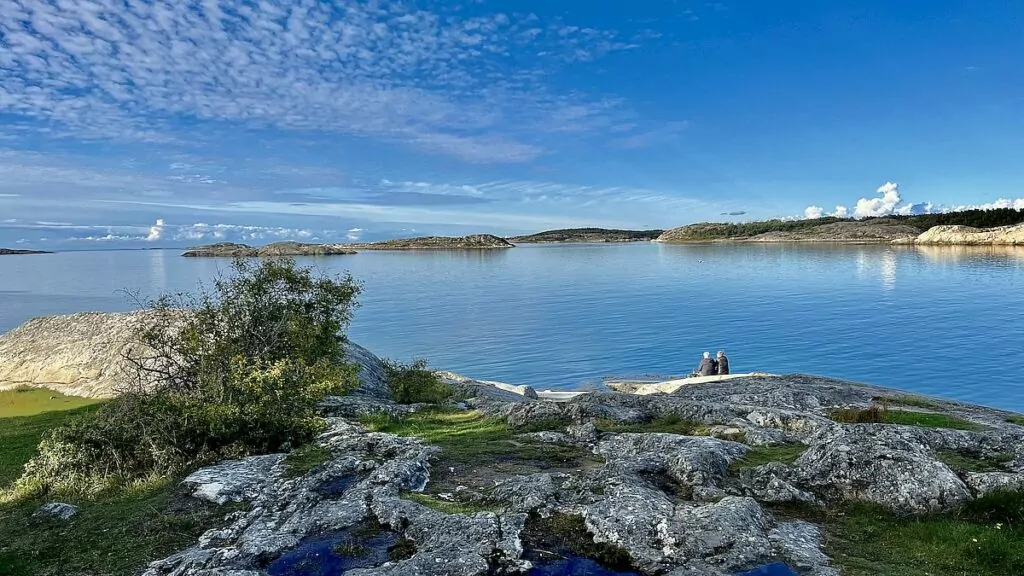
<point x="415" y="383"/>
<point x="235" y="372"/>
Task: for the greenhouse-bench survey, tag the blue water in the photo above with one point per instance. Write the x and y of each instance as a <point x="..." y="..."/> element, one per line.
<point x="940" y="321"/>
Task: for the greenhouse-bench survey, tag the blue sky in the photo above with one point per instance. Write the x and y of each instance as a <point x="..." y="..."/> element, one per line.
<point x="152" y="122"/>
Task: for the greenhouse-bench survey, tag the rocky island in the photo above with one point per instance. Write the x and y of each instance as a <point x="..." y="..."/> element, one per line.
<point x="586" y="236"/>
<point x="810" y="475"/>
<point x="12" y="252"/>
<point x="472" y="242"/>
<point x="1004" y="226"/>
<point x="880" y="230"/>
<point x="233" y="250"/>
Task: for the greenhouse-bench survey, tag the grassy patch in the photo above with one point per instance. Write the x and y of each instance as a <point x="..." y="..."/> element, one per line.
<point x="471" y="438"/>
<point x="671" y="424"/>
<point x="452" y="507"/>
<point x="986" y="536"/>
<point x="33" y="401"/>
<point x="760" y="455"/>
<point x="562" y="535"/>
<point x="915" y="401"/>
<point x="303" y="459"/>
<point x="1019" y="420"/>
<point x="116" y="533"/>
<point x="968" y="463"/>
<point x="876" y="414"/>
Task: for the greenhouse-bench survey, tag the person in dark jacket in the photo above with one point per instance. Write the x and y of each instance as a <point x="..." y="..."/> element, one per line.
<point x="707" y="365"/>
<point x="723" y="363"/>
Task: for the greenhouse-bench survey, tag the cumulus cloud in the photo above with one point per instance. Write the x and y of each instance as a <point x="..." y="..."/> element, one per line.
<point x="882" y="206"/>
<point x="474" y="87"/>
<point x="156" y="232"/>
<point x="890" y="203"/>
<point x="354" y="234"/>
<point x="813" y="212"/>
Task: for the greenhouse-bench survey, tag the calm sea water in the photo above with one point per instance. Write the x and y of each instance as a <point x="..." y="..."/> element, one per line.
<point x="942" y="321"/>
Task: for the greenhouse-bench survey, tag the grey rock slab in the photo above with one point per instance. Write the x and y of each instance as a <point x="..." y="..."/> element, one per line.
<point x="234" y="480"/>
<point x="884" y="464"/>
<point x="58" y="510"/>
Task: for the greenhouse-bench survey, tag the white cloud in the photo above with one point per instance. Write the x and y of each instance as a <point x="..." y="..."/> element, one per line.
<point x="813" y="212"/>
<point x="1016" y="204"/>
<point x="156" y="232"/>
<point x="475" y="87"/>
<point x="883" y="206"/>
<point x="889" y="204"/>
<point x="354" y="234"/>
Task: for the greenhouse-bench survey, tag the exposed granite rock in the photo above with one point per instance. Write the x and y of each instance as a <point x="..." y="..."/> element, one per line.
<point x="233" y="250"/>
<point x="15" y="252"/>
<point x="586" y="235"/>
<point x="234" y="480"/>
<point x="83" y="355"/>
<point x="473" y="242"/>
<point x="968" y="236"/>
<point x="58" y="510"/>
<point x="77" y="354"/>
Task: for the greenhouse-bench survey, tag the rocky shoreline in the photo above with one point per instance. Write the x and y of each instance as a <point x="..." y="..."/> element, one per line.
<point x="683" y="478"/>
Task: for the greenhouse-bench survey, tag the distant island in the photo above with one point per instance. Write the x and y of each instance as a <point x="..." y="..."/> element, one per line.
<point x="1001" y="226"/>
<point x="586" y="235"/>
<point x="233" y="250"/>
<point x="12" y="252"/>
<point x="472" y="242"/>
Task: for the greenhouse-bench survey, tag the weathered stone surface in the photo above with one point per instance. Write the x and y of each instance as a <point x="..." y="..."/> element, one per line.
<point x="801" y="543"/>
<point x="968" y="236"/>
<point x="879" y="463"/>
<point x="83" y="355"/>
<point x="57" y="510"/>
<point x="77" y="354"/>
<point x="985" y="483"/>
<point x="234" y="480"/>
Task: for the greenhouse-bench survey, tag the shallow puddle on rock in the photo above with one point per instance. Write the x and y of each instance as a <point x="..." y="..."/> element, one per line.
<point x="574" y="566"/>
<point x="333" y="554"/>
<point x="337" y="486"/>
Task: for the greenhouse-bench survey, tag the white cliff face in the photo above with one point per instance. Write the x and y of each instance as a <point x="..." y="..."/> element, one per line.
<point x="77" y="354"/>
<point x="968" y="236"/>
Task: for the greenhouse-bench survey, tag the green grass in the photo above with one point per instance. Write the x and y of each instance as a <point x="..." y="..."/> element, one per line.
<point x="671" y="424"/>
<point x="452" y="507"/>
<point x="1019" y="420"/>
<point x="883" y="415"/>
<point x="115" y="534"/>
<point x="468" y="437"/>
<point x="32" y="401"/>
<point x="301" y="460"/>
<point x="914" y="401"/>
<point x="967" y="463"/>
<point x="985" y="537"/>
<point x="760" y="455"/>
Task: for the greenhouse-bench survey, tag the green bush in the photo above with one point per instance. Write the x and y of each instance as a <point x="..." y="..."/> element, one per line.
<point x="415" y="383"/>
<point x="226" y="374"/>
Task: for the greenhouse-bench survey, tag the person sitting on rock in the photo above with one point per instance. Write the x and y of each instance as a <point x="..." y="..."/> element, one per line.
<point x="707" y="365"/>
<point x="723" y="362"/>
